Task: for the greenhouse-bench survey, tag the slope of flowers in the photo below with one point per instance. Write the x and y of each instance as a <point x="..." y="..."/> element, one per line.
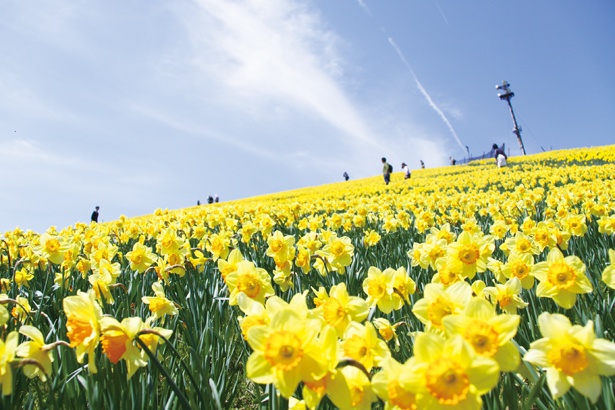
<point x="463" y="287"/>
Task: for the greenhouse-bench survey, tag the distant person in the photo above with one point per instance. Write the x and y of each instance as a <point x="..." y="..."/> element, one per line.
<point x="500" y="156"/>
<point x="406" y="170"/>
<point x="94" y="217"/>
<point x="422" y="164"/>
<point x="453" y="161"/>
<point x="346" y="176"/>
<point x="386" y="171"/>
<point x="216" y="198"/>
<point x="198" y="202"/>
<point x="210" y="199"/>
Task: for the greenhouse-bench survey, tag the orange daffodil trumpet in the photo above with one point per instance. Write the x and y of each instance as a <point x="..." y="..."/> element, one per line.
<point x="118" y="341"/>
<point x="83" y="314"/>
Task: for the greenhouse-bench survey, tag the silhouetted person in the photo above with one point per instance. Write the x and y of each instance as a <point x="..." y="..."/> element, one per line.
<point x="95" y="214"/>
<point x="406" y="170"/>
<point x="499" y="155"/>
<point x="210" y="199"/>
<point x="422" y="164"/>
<point x="346" y="176"/>
<point x="386" y="171"/>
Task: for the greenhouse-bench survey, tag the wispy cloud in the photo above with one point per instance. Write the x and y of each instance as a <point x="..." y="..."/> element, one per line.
<point x="423" y="91"/>
<point x="363" y="5"/>
<point x="276" y="51"/>
<point x="441" y="12"/>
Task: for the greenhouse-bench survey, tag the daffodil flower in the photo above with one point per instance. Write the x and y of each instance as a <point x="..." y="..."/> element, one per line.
<point x="572" y="355"/>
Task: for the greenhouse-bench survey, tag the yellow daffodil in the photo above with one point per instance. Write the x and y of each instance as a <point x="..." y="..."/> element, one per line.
<point x="51" y="248"/>
<point x="281" y="247"/>
<point x="608" y="274"/>
<point x="417" y="255"/>
<point x="544" y="236"/>
<point x="498" y="229"/>
<point x="247" y="278"/>
<point x="118" y="341"/>
<point x="141" y="257"/>
<point x="495" y="267"/>
<point x="362" y="395"/>
<point x="403" y="287"/>
<point x="444" y="232"/>
<point x="362" y="344"/>
<point x="387" y="331"/>
<point x="572" y="356"/>
<point x="22" y="309"/>
<point x="228" y="265"/>
<point x="8" y="348"/>
<point x="447" y="373"/>
<point x="444" y="275"/>
<point x="340" y="309"/>
<point x="520" y="244"/>
<point x="506" y="296"/>
<point x="378" y="286"/>
<point x="371" y="238"/>
<point x="158" y="304"/>
<point x="386" y="384"/>
<point x="469" y="254"/>
<point x="22" y="277"/>
<point x="218" y="246"/>
<point x="283" y="276"/>
<point x="575" y="224"/>
<point x="82" y="327"/>
<point x="439" y="302"/>
<point x="433" y="251"/>
<point x="286" y="352"/>
<point x="334" y="382"/>
<point x="35" y="349"/>
<point x="338" y="252"/>
<point x="198" y="260"/>
<point x="519" y="265"/>
<point x="255" y="314"/>
<point x="487" y="332"/>
<point x="561" y="278"/>
<point x="606" y="225"/>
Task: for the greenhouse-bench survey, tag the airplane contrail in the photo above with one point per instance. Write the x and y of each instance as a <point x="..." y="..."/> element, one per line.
<point x="423" y="91"/>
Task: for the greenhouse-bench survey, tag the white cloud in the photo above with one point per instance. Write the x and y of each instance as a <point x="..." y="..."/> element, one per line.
<point x="271" y="51"/>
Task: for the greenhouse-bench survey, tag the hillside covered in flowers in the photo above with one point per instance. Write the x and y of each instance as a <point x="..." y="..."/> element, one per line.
<point x="462" y="287"/>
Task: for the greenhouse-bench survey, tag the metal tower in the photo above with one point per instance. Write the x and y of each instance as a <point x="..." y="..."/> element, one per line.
<point x="507" y="95"/>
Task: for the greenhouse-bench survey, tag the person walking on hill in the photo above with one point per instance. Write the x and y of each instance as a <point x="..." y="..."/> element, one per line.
<point x="406" y="170"/>
<point x="94" y="216"/>
<point x="386" y="171"/>
<point x="500" y="156"/>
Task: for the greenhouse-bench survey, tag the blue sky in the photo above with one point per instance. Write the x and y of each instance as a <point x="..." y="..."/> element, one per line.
<point x="138" y="105"/>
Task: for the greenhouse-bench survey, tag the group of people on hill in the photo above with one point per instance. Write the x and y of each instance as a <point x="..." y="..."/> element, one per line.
<point x="210" y="199"/>
<point x="387" y="169"/>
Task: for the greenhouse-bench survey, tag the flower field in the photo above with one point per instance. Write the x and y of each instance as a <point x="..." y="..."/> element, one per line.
<point x="463" y="287"/>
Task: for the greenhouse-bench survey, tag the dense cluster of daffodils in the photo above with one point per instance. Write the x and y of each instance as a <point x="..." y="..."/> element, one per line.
<point x="462" y="287"/>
